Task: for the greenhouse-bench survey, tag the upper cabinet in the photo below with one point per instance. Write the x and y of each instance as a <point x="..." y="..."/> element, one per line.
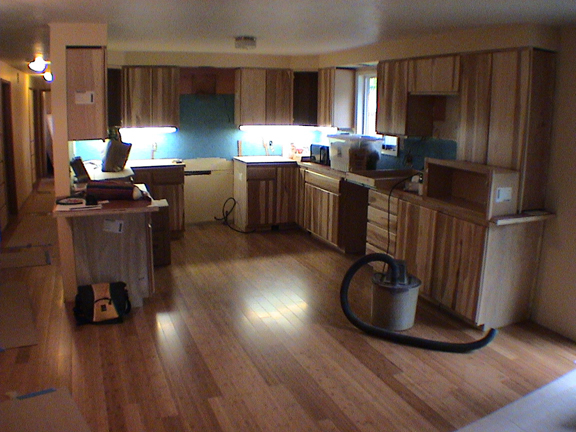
<point x="392" y="78"/>
<point x="86" y="93"/>
<point x="150" y="96"/>
<point x="336" y="97"/>
<point x="263" y="96"/>
<point x="305" y="98"/>
<point x="434" y="75"/>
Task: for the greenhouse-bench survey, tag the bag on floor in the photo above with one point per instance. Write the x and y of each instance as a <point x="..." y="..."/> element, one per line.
<point x="102" y="303"/>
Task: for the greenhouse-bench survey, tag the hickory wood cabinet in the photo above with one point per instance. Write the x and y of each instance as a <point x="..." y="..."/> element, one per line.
<point x="165" y="182"/>
<point x="263" y="96"/>
<point x="150" y="96"/>
<point x="495" y="104"/>
<point x="481" y="271"/>
<point x="335" y="210"/>
<point x="336" y="97"/>
<point x="265" y="193"/>
<point x="86" y="95"/>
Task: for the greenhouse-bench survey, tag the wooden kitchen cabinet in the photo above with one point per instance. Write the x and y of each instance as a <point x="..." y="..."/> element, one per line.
<point x="150" y="96"/>
<point x="381" y="229"/>
<point x="521" y="119"/>
<point x="166" y="182"/>
<point x="457" y="265"/>
<point x="505" y="115"/>
<point x="392" y="94"/>
<point x="416" y="239"/>
<point x="434" y="75"/>
<point x="476" y="69"/>
<point x="322" y="205"/>
<point x="336" y="211"/>
<point x="336" y="97"/>
<point x="263" y="96"/>
<point x="86" y="94"/>
<point x="265" y="194"/>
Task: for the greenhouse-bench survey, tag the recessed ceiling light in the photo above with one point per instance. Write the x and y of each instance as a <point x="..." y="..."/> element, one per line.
<point x="245" y="42"/>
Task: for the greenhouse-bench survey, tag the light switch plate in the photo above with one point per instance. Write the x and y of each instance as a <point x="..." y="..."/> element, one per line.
<point x="503" y="194"/>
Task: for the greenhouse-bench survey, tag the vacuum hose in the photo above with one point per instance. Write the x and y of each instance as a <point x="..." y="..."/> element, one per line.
<point x="393" y="336"/>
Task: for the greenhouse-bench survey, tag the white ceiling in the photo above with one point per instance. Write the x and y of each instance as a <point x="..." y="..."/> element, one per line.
<point x="282" y="27"/>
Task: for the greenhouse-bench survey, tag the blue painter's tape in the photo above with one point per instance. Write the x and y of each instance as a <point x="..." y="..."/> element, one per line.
<point x="38" y="393"/>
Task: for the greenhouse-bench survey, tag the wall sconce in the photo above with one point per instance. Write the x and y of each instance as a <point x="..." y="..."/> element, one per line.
<point x="39" y="64"/>
<point x="48" y="77"/>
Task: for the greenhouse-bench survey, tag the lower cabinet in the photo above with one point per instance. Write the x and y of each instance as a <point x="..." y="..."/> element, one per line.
<point x="335" y="211"/>
<point x="265" y="194"/>
<point x="480" y="271"/>
<point x="166" y="182"/>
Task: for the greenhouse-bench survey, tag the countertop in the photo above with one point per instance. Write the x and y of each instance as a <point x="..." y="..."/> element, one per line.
<point x="264" y="159"/>
<point x="151" y="163"/>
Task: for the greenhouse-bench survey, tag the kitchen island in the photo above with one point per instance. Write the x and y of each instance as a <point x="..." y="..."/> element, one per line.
<point x="111" y="243"/>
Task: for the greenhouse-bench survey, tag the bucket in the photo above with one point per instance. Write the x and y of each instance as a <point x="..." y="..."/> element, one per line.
<point x="394" y="305"/>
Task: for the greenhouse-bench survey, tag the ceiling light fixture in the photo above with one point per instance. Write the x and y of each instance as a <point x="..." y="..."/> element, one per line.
<point x="245" y="42"/>
<point x="39" y="64"/>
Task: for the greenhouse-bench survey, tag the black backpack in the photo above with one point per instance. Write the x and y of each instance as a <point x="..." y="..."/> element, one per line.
<point x="102" y="303"/>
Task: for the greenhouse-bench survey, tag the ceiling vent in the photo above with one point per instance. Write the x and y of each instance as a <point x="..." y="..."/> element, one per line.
<point x="245" y="42"/>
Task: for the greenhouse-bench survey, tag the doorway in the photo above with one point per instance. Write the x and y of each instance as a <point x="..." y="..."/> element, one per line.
<point x="8" y="195"/>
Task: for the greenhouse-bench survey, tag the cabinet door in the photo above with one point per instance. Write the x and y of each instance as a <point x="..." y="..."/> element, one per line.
<point x="279" y="99"/>
<point x="474" y="107"/>
<point x="415" y="241"/>
<point x="261" y="202"/>
<point x="392" y="93"/>
<point x="286" y="189"/>
<point x="336" y="97"/>
<point x="457" y="267"/>
<point x="321" y="213"/>
<point x="250" y="96"/>
<point x="150" y="96"/>
<point x="86" y="93"/>
<point x="508" y="109"/>
<point x="434" y="75"/>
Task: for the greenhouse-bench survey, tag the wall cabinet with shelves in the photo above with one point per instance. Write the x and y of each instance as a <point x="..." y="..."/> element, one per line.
<point x="150" y="96"/>
<point x="434" y="75"/>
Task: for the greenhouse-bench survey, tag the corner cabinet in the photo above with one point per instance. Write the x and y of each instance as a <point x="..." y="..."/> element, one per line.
<point x="263" y="96"/>
<point x="86" y="94"/>
<point x="265" y="193"/>
<point x="150" y="96"/>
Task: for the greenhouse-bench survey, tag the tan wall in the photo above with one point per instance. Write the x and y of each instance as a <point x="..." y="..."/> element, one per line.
<point x="556" y="293"/>
<point x="20" y="84"/>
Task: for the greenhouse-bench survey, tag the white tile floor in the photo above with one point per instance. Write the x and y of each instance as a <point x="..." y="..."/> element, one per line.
<point x="551" y="408"/>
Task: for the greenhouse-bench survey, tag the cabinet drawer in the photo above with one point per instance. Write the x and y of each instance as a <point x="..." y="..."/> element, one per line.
<point x="379" y="237"/>
<point x="382" y="218"/>
<point x="324" y="182"/>
<point x="261" y="173"/>
<point x="383" y="201"/>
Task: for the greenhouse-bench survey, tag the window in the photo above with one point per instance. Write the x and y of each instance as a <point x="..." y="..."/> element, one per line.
<point x="366" y="111"/>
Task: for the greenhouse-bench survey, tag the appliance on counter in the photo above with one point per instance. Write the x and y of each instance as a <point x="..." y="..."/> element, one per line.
<point x="320" y="154"/>
<point x="354" y="152"/>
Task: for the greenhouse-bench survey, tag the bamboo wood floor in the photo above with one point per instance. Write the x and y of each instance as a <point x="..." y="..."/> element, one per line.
<point x="245" y="333"/>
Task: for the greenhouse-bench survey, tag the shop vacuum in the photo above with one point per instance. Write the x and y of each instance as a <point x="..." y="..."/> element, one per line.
<point x="394" y="298"/>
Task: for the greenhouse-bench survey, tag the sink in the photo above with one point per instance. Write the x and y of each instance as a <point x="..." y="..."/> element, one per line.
<point x="380" y="179"/>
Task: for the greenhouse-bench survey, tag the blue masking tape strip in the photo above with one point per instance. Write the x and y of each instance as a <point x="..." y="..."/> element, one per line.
<point x="38" y="393"/>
